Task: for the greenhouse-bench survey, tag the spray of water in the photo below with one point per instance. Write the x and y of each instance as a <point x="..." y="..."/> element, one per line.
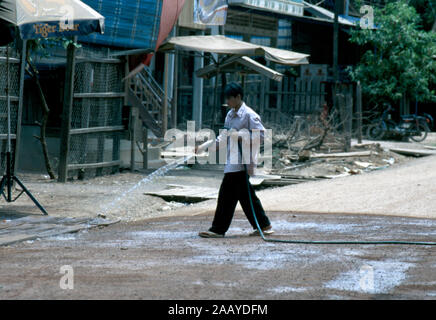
<point x="152" y="176"/>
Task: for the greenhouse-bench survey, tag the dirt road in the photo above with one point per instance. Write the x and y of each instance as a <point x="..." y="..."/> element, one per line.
<point x="163" y="258"/>
<point x="407" y="189"/>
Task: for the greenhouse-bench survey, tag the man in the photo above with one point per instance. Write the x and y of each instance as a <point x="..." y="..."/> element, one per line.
<point x="234" y="185"/>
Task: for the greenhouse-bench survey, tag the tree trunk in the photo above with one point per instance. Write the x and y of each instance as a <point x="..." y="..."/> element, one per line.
<point x="43" y="124"/>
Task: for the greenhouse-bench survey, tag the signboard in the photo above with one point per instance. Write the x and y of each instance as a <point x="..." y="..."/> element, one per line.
<point x="51" y="18"/>
<point x="294" y="8"/>
<point x="210" y="12"/>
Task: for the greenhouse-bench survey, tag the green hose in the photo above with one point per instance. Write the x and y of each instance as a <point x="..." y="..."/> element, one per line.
<point x="321" y="242"/>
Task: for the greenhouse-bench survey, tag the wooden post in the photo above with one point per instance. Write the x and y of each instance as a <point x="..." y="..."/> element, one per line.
<point x="145" y="143"/>
<point x="66" y="112"/>
<point x="279" y="96"/>
<point x="298" y="96"/>
<point x="243" y="85"/>
<point x="267" y="92"/>
<point x="116" y="146"/>
<point x="216" y="106"/>
<point x="165" y="104"/>
<point x="336" y="42"/>
<point x="133" y="118"/>
<point x="308" y="98"/>
<point x="340" y="101"/>
<point x="262" y="95"/>
<point x="272" y="65"/>
<point x="20" y="105"/>
<point x="359" y="111"/>
<point x="335" y="91"/>
<point x="348" y="121"/>
<point x="286" y="108"/>
<point x="292" y="96"/>
<point x="175" y="90"/>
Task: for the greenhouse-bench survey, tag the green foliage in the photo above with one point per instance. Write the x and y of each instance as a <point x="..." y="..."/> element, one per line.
<point x="399" y="60"/>
<point x="427" y="10"/>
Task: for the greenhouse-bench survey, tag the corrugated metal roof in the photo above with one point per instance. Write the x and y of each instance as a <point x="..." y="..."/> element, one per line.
<point x="130" y="24"/>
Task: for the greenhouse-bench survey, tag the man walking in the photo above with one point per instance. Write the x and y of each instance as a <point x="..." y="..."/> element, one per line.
<point x="234" y="186"/>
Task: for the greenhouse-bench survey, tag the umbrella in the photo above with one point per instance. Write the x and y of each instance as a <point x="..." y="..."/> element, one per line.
<point x="50" y="18"/>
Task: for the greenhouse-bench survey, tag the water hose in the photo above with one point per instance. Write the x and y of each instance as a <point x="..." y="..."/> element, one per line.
<point x="319" y="242"/>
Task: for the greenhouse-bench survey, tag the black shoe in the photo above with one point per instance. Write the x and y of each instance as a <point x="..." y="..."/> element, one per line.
<point x="210" y="234"/>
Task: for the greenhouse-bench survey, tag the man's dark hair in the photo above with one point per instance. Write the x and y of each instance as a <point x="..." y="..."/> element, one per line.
<point x="233" y="89"/>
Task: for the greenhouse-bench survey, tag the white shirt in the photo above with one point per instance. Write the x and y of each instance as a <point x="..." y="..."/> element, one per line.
<point x="245" y="118"/>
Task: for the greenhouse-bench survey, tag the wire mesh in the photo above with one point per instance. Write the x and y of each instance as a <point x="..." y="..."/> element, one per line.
<point x="96" y="112"/>
<point x="100" y="78"/>
<point x="271" y="99"/>
<point x="93" y="77"/>
<point x="14" y="89"/>
<point x="93" y="147"/>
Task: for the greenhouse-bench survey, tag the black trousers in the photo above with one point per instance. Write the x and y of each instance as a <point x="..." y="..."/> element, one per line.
<point x="233" y="189"/>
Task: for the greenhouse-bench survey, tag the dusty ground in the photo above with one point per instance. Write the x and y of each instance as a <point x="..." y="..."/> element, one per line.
<point x="121" y="196"/>
<point x="162" y="257"/>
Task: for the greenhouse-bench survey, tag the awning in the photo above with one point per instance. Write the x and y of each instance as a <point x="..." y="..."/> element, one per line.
<point x="327" y="15"/>
<point x="286" y="7"/>
<point x="48" y="18"/>
<point x="224" y="45"/>
<point x="296" y="10"/>
<point x="238" y="64"/>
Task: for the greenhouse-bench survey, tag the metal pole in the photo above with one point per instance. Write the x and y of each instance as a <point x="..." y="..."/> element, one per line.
<point x="20" y="104"/>
<point x="9" y="177"/>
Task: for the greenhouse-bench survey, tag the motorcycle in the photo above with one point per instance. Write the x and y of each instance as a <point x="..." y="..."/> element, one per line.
<point x="411" y="126"/>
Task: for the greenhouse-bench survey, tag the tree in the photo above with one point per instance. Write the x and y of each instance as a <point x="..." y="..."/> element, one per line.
<point x="398" y="62"/>
<point x="427" y="10"/>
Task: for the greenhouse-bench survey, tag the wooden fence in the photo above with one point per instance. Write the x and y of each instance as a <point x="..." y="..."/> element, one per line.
<point x="274" y="101"/>
<point x="92" y="115"/>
